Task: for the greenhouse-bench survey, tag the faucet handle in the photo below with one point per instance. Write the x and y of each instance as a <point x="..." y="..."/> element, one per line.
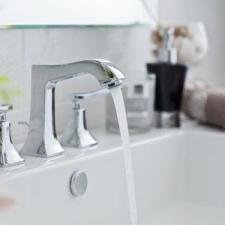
<point x="8" y="154"/>
<point x="76" y="133"/>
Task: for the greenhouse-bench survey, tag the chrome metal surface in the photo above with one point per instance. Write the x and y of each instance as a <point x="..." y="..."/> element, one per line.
<point x="76" y="134"/>
<point x="167" y="119"/>
<point x="8" y="154"/>
<point x="78" y="183"/>
<point x="167" y="53"/>
<point x="42" y="140"/>
<point x="85" y="95"/>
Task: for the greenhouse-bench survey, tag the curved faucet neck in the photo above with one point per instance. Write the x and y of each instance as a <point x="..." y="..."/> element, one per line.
<point x="42" y="140"/>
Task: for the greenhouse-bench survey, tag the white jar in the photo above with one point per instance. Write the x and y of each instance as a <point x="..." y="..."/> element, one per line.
<point x="139" y="101"/>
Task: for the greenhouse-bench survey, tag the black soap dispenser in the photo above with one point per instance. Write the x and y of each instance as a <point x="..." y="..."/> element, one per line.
<point x="170" y="78"/>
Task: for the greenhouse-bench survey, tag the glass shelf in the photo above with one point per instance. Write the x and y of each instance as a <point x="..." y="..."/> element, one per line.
<point x="35" y="14"/>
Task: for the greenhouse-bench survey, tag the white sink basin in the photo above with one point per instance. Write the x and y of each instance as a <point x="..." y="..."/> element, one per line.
<point x="179" y="179"/>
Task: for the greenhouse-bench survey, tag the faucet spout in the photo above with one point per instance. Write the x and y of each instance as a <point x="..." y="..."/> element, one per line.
<point x="42" y="139"/>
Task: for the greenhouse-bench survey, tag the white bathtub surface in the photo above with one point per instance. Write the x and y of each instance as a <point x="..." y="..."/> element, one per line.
<point x="179" y="180"/>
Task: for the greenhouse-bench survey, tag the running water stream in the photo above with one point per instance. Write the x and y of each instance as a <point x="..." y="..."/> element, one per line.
<point x="122" y="120"/>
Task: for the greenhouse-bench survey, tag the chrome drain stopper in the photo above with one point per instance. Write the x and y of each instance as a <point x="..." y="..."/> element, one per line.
<point x="78" y="183"/>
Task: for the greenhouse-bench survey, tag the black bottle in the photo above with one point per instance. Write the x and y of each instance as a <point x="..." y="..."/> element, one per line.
<point x="170" y="79"/>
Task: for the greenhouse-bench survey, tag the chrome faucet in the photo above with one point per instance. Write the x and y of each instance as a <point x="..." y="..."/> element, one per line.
<point x="42" y="139"/>
<point x="8" y="154"/>
<point x="76" y="134"/>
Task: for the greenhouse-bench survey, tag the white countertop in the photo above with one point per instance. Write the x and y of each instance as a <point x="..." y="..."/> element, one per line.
<point x="108" y="142"/>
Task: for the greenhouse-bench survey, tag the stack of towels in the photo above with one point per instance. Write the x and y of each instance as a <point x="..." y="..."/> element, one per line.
<point x="205" y="104"/>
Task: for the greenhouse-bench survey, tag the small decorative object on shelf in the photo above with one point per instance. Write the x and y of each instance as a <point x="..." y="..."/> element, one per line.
<point x="190" y="41"/>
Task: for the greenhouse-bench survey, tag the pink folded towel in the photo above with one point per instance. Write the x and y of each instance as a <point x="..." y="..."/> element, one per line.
<point x="205" y="104"/>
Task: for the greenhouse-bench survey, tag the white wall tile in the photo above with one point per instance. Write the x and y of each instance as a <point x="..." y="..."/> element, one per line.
<point x="128" y="48"/>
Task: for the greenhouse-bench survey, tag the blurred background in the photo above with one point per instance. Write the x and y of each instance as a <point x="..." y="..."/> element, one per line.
<point x="45" y="32"/>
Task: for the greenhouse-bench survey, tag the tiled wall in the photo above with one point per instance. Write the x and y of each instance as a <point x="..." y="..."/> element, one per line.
<point x="126" y="47"/>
